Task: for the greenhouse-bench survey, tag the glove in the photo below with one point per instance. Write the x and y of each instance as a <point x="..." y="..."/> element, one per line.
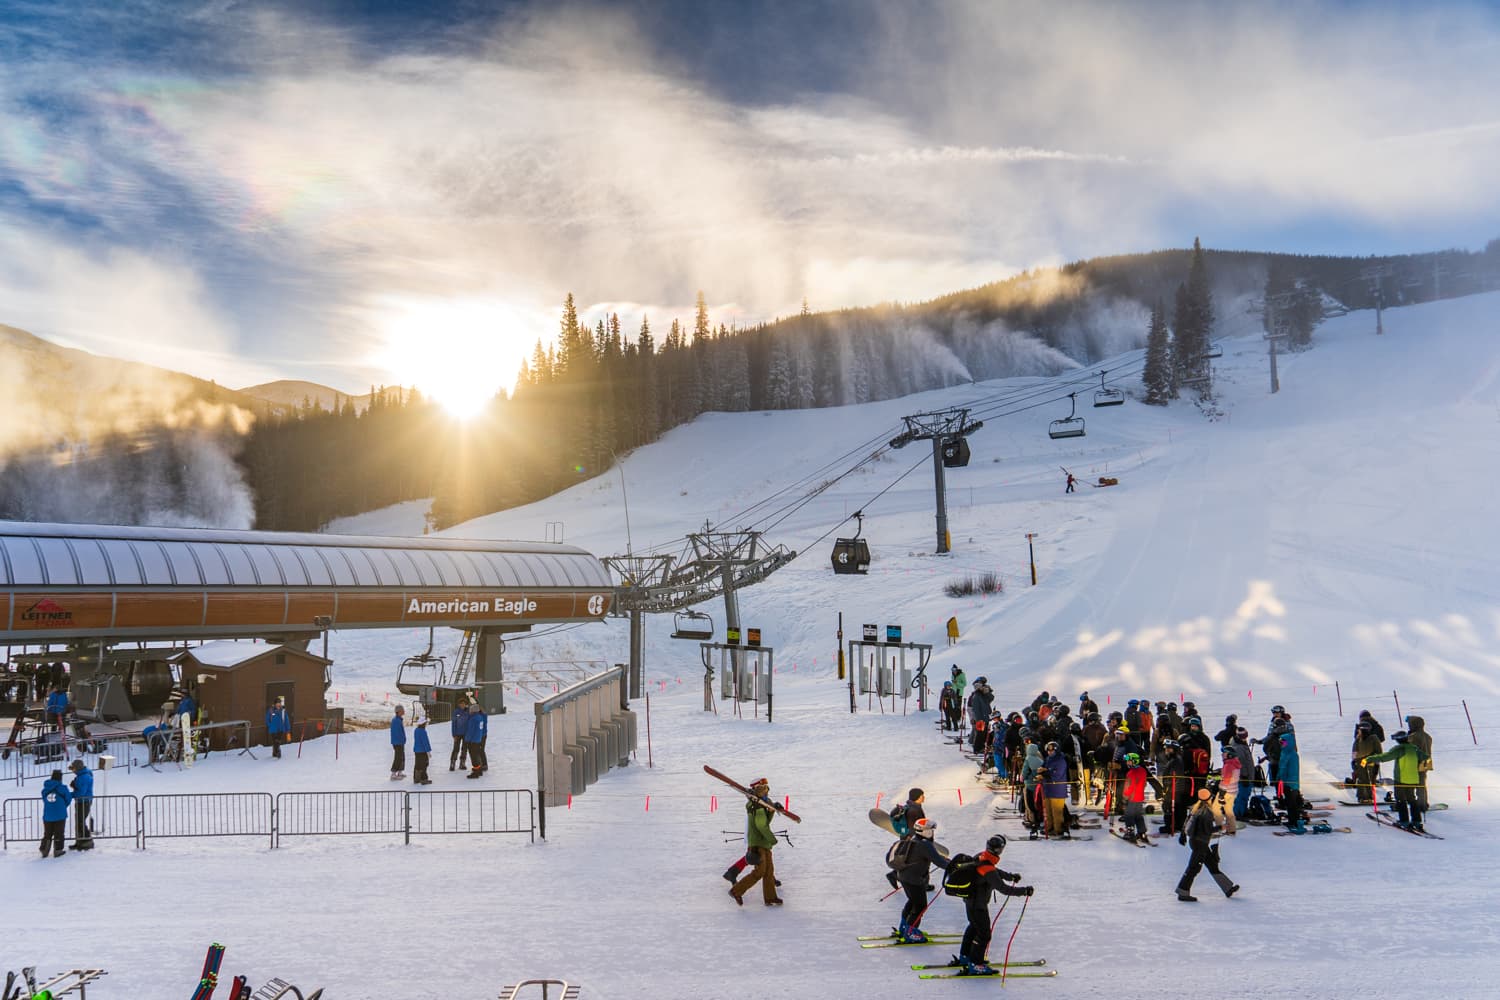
<point x="891" y="878"/>
<point x="1182" y="839"/>
<point x="1029" y="890"/>
<point x="1013" y="878"/>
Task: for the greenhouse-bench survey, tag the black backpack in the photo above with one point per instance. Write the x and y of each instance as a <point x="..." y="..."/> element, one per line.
<point x="899" y="855"/>
<point x="1260" y="809"/>
<point x="962" y="878"/>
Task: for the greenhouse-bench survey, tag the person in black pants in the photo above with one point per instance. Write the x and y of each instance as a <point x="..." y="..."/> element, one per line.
<point x="915" y="876"/>
<point x="55" y="799"/>
<point x="988" y="879"/>
<point x="83" y="804"/>
<point x="1199" y="832"/>
<point x="457" y="725"/>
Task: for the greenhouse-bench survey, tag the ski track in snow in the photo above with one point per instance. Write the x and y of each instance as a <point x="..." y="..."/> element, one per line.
<point x="1342" y="530"/>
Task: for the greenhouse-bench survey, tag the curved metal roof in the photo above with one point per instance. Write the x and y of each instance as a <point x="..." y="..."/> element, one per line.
<point x="79" y="555"/>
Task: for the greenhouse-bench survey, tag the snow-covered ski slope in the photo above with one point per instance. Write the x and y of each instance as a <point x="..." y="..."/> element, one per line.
<point x="1341" y="531"/>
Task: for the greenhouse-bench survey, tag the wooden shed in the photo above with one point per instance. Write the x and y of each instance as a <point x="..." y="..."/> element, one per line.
<point x="240" y="680"/>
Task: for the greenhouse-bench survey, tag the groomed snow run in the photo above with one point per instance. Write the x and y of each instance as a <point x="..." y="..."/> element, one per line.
<point x="1340" y="532"/>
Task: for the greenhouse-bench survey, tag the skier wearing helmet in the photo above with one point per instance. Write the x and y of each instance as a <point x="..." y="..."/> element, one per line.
<point x="913" y="858"/>
<point x="974" y="884"/>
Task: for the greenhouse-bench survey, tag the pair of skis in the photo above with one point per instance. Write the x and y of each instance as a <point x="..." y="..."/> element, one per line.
<point x="1384" y="820"/>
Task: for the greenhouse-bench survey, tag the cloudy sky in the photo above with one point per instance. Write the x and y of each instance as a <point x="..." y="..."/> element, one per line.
<point x="358" y="192"/>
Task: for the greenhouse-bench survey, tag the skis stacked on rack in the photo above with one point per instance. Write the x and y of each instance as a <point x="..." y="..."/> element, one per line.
<point x="210" y="977"/>
<point x="1384" y="820"/>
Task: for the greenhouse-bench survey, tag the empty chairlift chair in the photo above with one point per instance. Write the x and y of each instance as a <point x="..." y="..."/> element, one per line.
<point x="692" y="625"/>
<point x="1106" y="396"/>
<point x="1070" y="426"/>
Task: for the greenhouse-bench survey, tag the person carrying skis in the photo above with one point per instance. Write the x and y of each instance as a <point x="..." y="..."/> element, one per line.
<point x="951" y="706"/>
<point x="1055" y="790"/>
<point x="278" y="727"/>
<point x="83" y="804"/>
<point x="1289" y="781"/>
<point x="421" y="748"/>
<point x="1418" y="737"/>
<point x="1408" y="757"/>
<point x="476" y="732"/>
<point x="55" y="799"/>
<point x="1199" y="833"/>
<point x="398" y="744"/>
<point x="1364" y="778"/>
<point x="1071" y="482"/>
<point x="457" y="727"/>
<point x="975" y="883"/>
<point x="912" y="858"/>
<point x="761" y="840"/>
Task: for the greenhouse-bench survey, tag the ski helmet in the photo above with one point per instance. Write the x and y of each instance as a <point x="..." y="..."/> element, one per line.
<point x="956" y="671"/>
<point x="1170" y="744"/>
<point x="1242" y="734"/>
<point x="1195" y="721"/>
<point x="947" y="684"/>
<point x="1399" y="736"/>
<point x="1132" y="759"/>
<point x="1277" y="709"/>
<point x="1052" y="745"/>
<point x="995" y="844"/>
<point x="925" y="827"/>
<point x="982" y="680"/>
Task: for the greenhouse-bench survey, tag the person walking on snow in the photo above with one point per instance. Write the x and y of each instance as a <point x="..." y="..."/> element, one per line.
<point x="421" y="748"/>
<point x="1408" y="757"/>
<point x="278" y="728"/>
<point x="398" y="744"/>
<point x="55" y="799"/>
<point x="476" y="731"/>
<point x="83" y="804"/>
<point x="457" y="725"/>
<point x="988" y="878"/>
<point x="1071" y="482"/>
<point x="1199" y="834"/>
<point x="913" y="858"/>
<point x="762" y="841"/>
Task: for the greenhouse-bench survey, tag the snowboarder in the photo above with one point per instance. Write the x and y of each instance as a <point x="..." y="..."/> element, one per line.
<point x="912" y="858"/>
<point x="476" y="731"/>
<point x="1071" y="482"/>
<point x="55" y="799"/>
<point x="83" y="804"/>
<point x="1199" y="833"/>
<point x="421" y="748"/>
<point x="278" y="727"/>
<point x="904" y="817"/>
<point x="762" y="841"/>
<point x="459" y="758"/>
<point x="1417" y="735"/>
<point x="952" y="707"/>
<point x="974" y="883"/>
<point x="398" y="744"/>
<point x="1408" y="757"/>
<point x="1364" y="778"/>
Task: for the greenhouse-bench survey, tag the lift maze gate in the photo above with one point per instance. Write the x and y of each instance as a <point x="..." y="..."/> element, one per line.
<point x="745" y="674"/>
<point x="581" y="733"/>
<point x="884" y="670"/>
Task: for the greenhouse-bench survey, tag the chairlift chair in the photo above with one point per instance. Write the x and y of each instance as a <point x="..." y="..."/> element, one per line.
<point x="1070" y="426"/>
<point x="694" y="625"/>
<point x="852" y="555"/>
<point x="418" y="673"/>
<point x="1108" y="397"/>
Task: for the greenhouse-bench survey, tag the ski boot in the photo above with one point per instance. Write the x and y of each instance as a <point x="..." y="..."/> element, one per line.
<point x="1321" y="828"/>
<point x="1184" y="896"/>
<point x="1298" y="827"/>
<point x="912" y="935"/>
<point x="956" y="962"/>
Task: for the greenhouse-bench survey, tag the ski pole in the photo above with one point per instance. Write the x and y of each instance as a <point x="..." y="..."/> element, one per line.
<point x="892" y="893"/>
<point x="1012" y="940"/>
<point x="1003" y="904"/>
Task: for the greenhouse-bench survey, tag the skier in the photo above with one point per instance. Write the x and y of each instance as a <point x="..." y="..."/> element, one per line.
<point x="951" y="706"/>
<point x="83" y="804"/>
<point x="476" y="731"/>
<point x="1272" y="743"/>
<point x="1176" y="787"/>
<point x="761" y="840"/>
<point x="55" y="799"/>
<point x="398" y="744"/>
<point x="1199" y="833"/>
<point x="1123" y="744"/>
<point x="1197" y="753"/>
<point x="913" y="857"/>
<point x="1239" y="750"/>
<point x="1288" y="781"/>
<point x="1225" y="736"/>
<point x="1418" y="737"/>
<point x="1055" y="789"/>
<point x="1071" y="482"/>
<point x="1031" y="788"/>
<point x="959" y="682"/>
<point x="1364" y="778"/>
<point x="981" y="701"/>
<point x="457" y="724"/>
<point x="1375" y="726"/>
<point x="1135" y="798"/>
<point x="974" y="885"/>
<point x="421" y="748"/>
<point x="1086" y="705"/>
<point x="278" y="728"/>
<point x="1408" y="757"/>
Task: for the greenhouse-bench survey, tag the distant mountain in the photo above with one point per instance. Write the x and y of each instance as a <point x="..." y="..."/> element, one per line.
<point x="297" y="394"/>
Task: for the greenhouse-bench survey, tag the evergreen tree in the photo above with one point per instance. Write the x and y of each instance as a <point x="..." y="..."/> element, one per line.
<point x="1194" y="321"/>
<point x="1157" y="376"/>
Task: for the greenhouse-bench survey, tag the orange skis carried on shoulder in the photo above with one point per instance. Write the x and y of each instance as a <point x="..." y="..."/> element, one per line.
<point x="747" y="793"/>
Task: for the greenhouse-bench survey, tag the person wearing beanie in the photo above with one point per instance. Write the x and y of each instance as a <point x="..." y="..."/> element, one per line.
<point x="476" y="733"/>
<point x="55" y="799"/>
<point x="952" y="707"/>
<point x="1198" y="833"/>
<point x="459" y="757"/>
<point x="761" y="841"/>
<point x="1364" y="778"/>
<point x="83" y="804"/>
<point x="278" y="727"/>
<point x="398" y="744"/>
<point x="421" y="748"/>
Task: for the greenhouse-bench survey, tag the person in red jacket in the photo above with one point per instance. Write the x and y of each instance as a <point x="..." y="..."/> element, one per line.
<point x="1135" y="798"/>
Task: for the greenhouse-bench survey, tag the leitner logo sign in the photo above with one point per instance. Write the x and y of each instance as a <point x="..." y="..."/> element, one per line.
<point x="496" y="606"/>
<point x="47" y="613"/>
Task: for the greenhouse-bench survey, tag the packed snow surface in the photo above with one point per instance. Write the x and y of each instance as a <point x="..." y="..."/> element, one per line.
<point x="1328" y="548"/>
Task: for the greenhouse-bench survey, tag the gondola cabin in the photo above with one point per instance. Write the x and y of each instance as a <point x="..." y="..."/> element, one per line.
<point x="851" y="555"/>
<point x="955" y="453"/>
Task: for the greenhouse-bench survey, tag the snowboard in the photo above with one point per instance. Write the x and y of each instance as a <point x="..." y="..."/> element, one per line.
<point x="189" y="752"/>
<point x="882" y="819"/>
<point x="747" y="793"/>
<point x="1310" y="832"/>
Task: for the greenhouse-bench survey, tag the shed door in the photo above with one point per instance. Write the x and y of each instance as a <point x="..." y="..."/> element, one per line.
<point x="286" y="690"/>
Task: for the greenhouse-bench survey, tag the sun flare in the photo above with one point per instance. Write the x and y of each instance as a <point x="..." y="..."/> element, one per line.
<point x="458" y="352"/>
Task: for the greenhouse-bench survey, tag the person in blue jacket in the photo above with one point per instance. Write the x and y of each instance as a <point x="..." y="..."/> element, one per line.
<point x="55" y="799"/>
<point x="475" y="731"/>
<point x="398" y="744"/>
<point x="278" y="726"/>
<point x="83" y="804"/>
<point x="458" y="726"/>
<point x="421" y="746"/>
<point x="57" y="707"/>
<point x="1055" y="791"/>
<point x="1288" y="782"/>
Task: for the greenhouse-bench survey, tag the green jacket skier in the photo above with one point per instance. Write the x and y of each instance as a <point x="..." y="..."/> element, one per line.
<point x="1408" y="757"/>
<point x="761" y="842"/>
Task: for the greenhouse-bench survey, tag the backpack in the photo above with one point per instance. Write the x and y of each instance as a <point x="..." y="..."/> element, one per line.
<point x="1260" y="809"/>
<point x="899" y="855"/>
<point x="962" y="878"/>
<point x="898" y="820"/>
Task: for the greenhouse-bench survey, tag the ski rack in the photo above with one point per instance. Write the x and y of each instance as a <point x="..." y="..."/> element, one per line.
<point x="60" y="986"/>
<point x="569" y="991"/>
<point x="279" y="988"/>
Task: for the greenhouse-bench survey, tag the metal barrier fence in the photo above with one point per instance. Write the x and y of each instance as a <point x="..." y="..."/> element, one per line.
<point x="320" y="814"/>
<point x="500" y="810"/>
<point x="224" y="814"/>
<point x="35" y="759"/>
<point x="113" y="817"/>
<point x="290" y="814"/>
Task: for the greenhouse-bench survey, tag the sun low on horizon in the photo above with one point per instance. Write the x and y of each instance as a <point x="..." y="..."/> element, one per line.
<point x="460" y="352"/>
